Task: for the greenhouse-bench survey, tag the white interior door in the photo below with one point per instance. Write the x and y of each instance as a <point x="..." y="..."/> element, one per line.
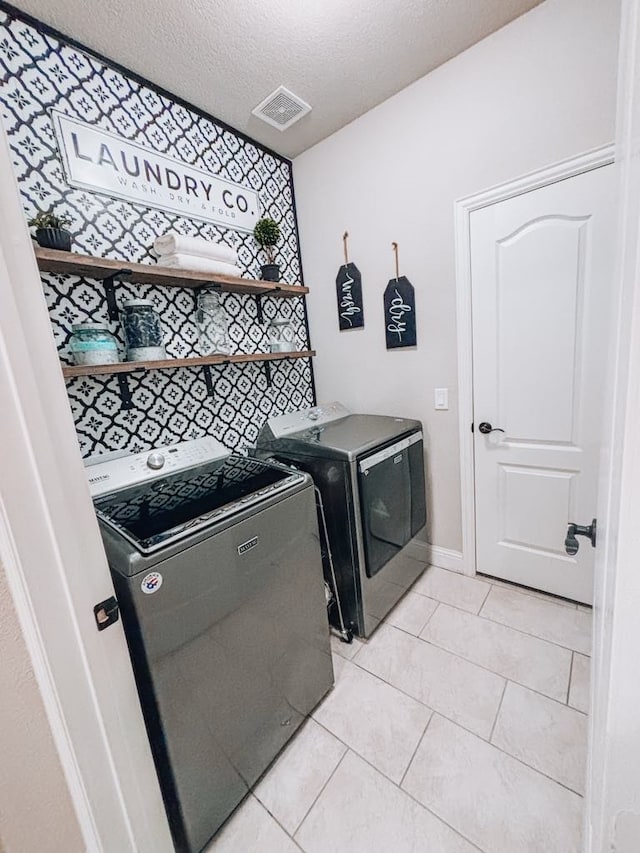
<point x="541" y="264"/>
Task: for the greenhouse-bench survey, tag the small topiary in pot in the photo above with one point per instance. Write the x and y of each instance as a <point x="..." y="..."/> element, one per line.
<point x="51" y="232"/>
<point x="267" y="234"/>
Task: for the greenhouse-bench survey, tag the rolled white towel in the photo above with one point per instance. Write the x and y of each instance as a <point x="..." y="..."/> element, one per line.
<point x="178" y="244"/>
<point x="192" y="262"/>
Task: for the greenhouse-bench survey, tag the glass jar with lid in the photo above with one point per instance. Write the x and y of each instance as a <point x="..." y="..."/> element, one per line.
<point x="281" y="336"/>
<point x="93" y="343"/>
<point x="211" y="319"/>
<point x="142" y="331"/>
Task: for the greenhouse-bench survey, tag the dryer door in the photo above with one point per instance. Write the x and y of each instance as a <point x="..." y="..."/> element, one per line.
<point x="392" y="500"/>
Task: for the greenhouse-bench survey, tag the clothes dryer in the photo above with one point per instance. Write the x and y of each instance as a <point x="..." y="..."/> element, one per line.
<point x="369" y="476"/>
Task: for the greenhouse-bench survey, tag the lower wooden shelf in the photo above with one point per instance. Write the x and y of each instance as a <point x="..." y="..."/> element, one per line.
<point x="70" y="371"/>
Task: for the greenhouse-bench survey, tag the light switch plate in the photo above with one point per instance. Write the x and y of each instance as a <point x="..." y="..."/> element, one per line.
<point x="441" y="398"/>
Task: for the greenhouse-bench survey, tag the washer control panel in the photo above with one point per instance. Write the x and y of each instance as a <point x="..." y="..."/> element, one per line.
<point x="109" y="474"/>
<point x="304" y="418"/>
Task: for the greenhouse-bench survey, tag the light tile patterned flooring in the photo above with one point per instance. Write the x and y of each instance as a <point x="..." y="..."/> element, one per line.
<point x="460" y="726"/>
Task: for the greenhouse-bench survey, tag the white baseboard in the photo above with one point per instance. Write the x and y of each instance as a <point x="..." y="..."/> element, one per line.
<point x="443" y="558"/>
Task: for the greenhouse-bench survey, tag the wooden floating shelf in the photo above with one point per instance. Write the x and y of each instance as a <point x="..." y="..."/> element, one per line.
<point x="71" y="371"/>
<point x="53" y="260"/>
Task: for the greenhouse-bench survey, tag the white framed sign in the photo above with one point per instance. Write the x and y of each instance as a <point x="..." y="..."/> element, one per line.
<point x="103" y="162"/>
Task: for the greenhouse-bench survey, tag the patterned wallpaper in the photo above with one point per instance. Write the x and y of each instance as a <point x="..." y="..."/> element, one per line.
<point x="42" y="72"/>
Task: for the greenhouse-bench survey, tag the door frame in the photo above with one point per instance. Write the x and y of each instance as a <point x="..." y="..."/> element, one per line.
<point x="56" y="569"/>
<point x="612" y="818"/>
<point x="464" y="207"/>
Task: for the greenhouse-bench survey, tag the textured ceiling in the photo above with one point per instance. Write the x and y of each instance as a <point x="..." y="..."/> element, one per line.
<point x="341" y="56"/>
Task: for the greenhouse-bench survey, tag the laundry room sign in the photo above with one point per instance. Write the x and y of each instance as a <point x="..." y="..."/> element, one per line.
<point x="103" y="162"/>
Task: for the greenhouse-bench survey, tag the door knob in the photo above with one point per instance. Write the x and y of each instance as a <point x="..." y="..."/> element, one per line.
<point x="486" y="428"/>
<point x="571" y="543"/>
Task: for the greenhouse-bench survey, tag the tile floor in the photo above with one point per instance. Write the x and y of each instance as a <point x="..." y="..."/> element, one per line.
<point x="460" y="726"/>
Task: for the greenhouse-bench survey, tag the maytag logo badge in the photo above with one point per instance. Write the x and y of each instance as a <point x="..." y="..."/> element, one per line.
<point x="248" y="545"/>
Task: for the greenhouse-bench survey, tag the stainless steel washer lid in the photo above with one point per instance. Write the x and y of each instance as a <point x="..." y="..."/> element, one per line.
<point x="346" y="439"/>
<point x="152" y="515"/>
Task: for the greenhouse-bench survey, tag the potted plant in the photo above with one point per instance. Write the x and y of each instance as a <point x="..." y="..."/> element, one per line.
<point x="267" y="234"/>
<point x="51" y="232"/>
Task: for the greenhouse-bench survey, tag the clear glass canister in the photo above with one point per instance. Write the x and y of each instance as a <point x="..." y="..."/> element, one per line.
<point x="281" y="336"/>
<point x="93" y="343"/>
<point x="211" y="319"/>
<point x="142" y="331"/>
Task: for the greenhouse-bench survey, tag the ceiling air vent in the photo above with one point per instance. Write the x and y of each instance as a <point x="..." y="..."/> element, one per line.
<point x="281" y="108"/>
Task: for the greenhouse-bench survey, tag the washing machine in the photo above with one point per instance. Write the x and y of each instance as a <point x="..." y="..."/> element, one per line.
<point x="217" y="569"/>
<point x="370" y="489"/>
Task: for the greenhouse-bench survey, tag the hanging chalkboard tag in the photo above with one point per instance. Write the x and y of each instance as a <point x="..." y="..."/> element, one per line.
<point x="349" y="296"/>
<point x="349" y="293"/>
<point x="399" y="311"/>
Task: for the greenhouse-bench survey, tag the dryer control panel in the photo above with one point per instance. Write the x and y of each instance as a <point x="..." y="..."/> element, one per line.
<point x="304" y="418"/>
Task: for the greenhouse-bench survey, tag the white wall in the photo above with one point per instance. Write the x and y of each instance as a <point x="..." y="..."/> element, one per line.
<point x="541" y="89"/>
